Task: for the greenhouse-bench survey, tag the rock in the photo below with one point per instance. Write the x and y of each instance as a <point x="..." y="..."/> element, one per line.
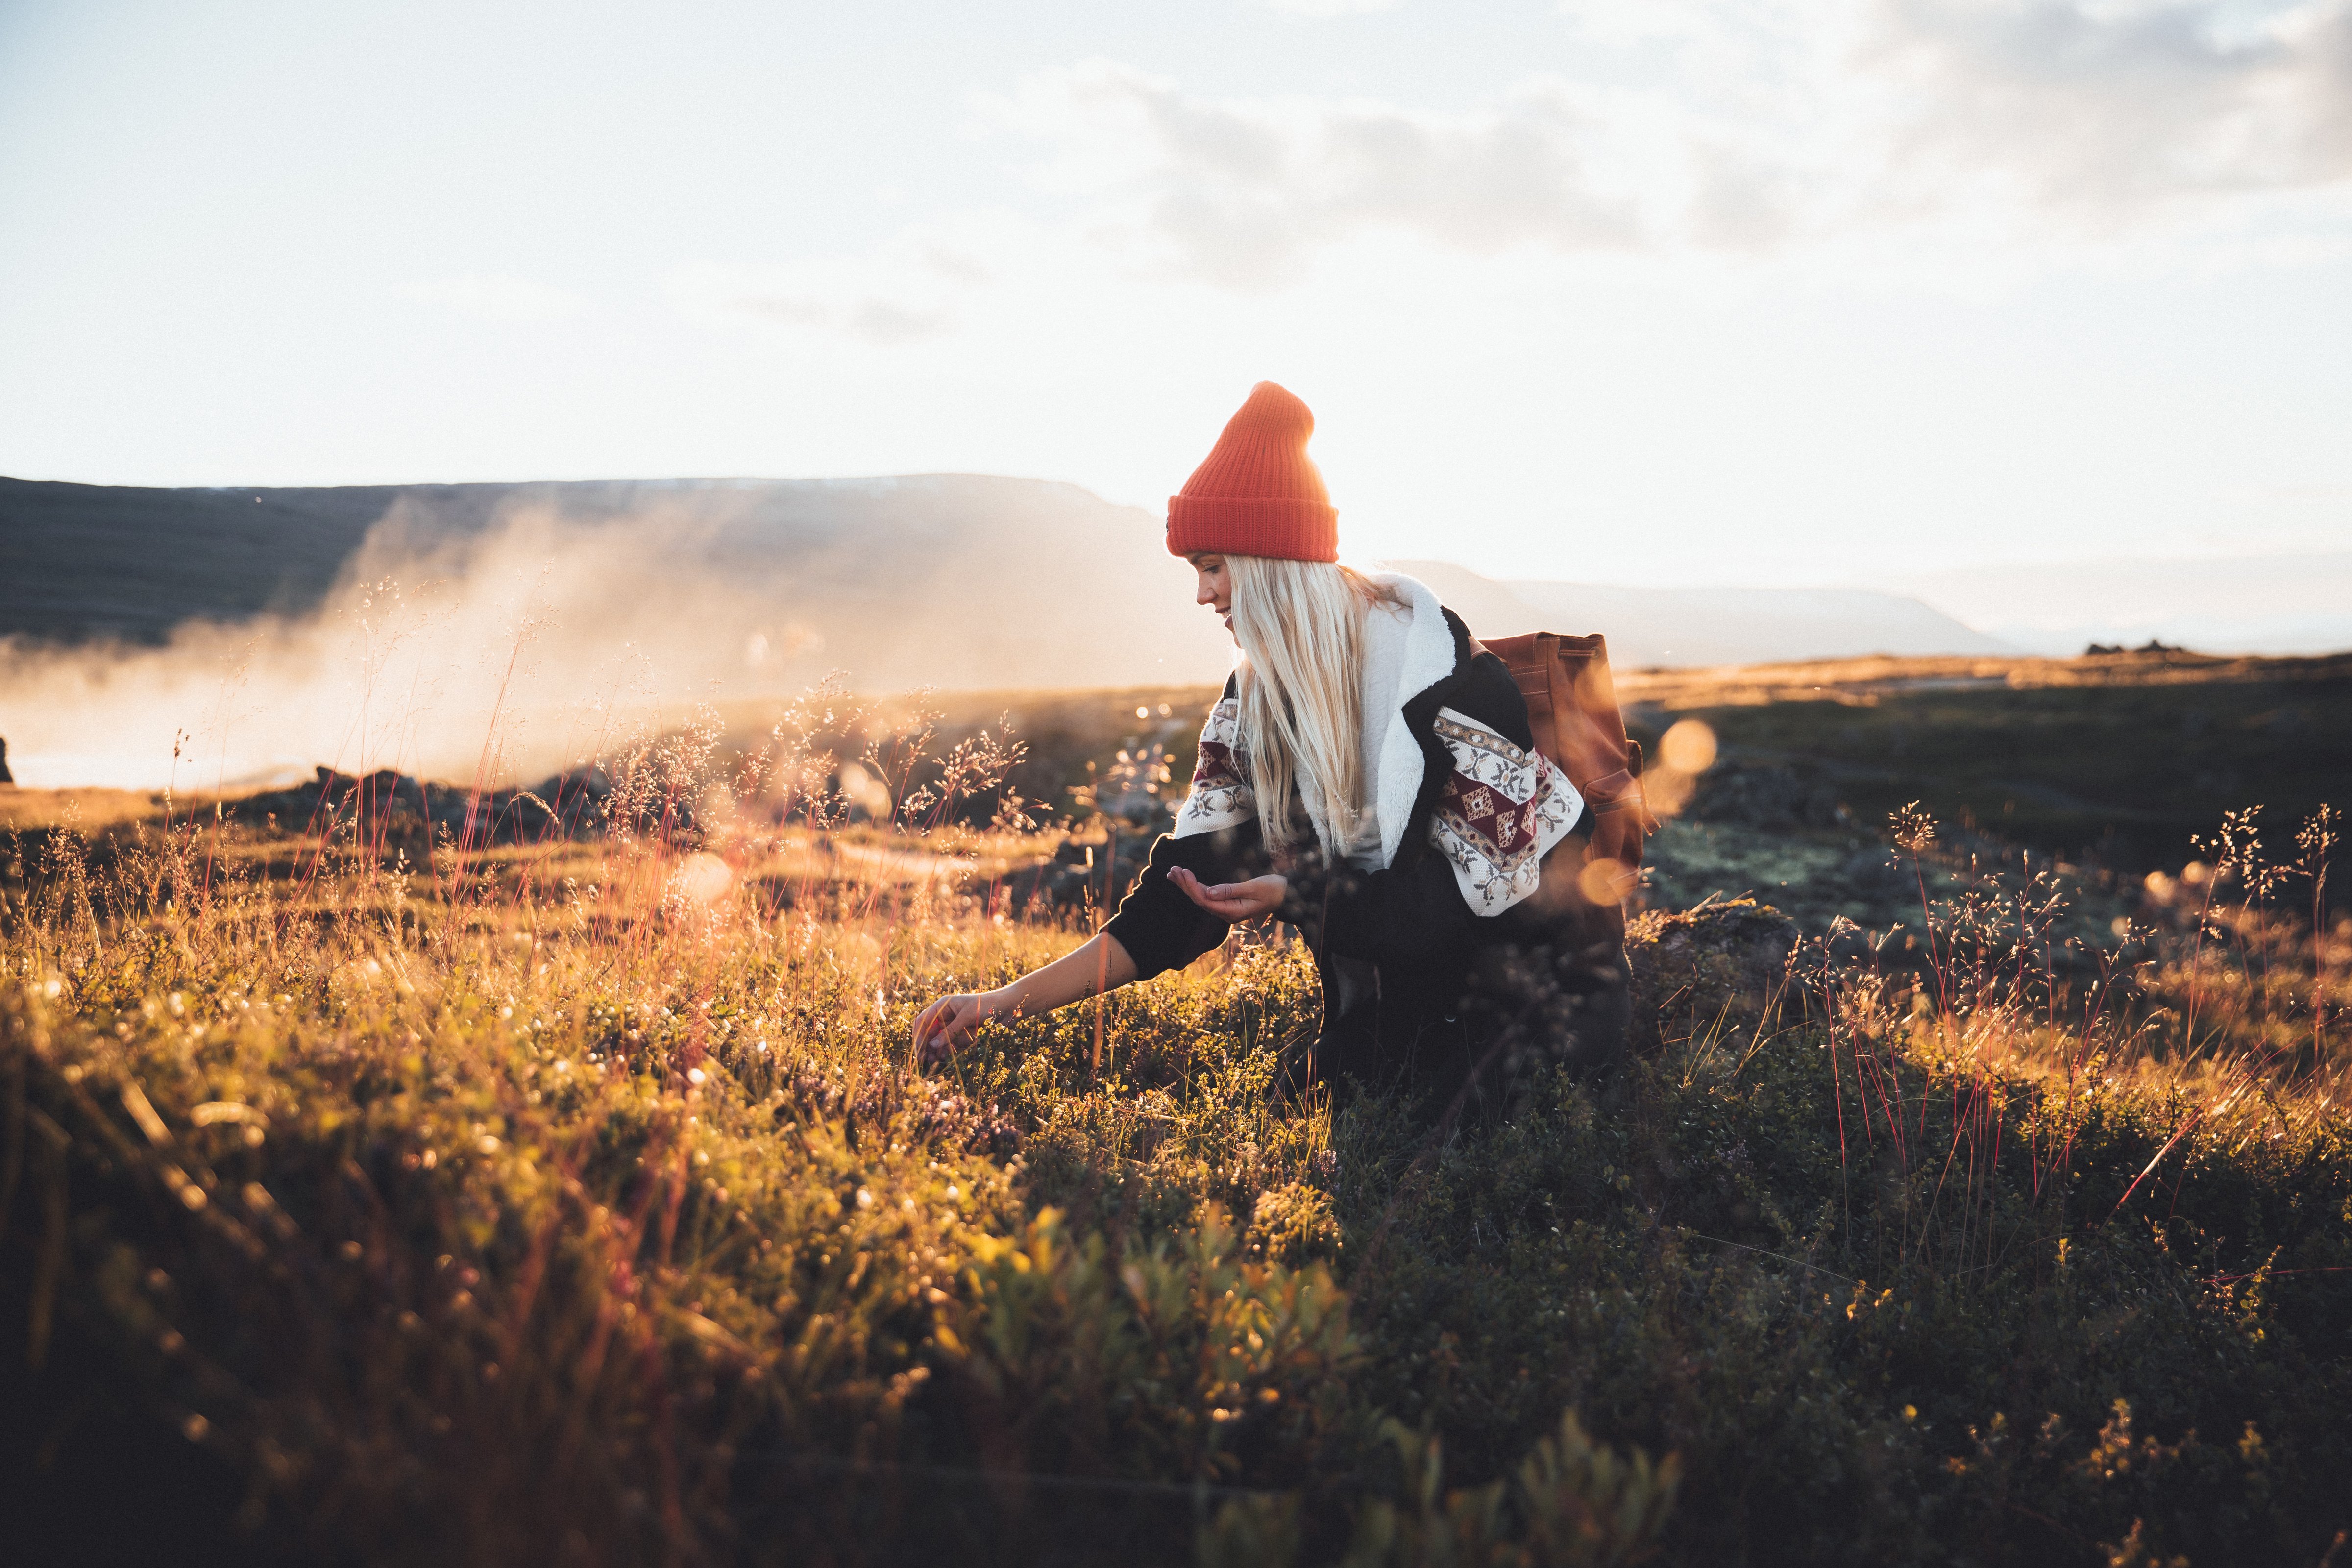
<point x="1877" y="877"/>
<point x="1725" y="960"/>
<point x="1766" y="795"/>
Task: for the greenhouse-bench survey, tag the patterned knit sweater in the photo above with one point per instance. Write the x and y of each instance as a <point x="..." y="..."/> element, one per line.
<point x="1464" y="806"/>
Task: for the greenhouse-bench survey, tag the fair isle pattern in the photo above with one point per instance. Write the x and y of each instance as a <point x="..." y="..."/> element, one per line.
<point x="1220" y="796"/>
<point x="1501" y="810"/>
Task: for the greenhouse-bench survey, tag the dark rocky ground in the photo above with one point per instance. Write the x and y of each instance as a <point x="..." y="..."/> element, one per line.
<point x="389" y="809"/>
<point x="2117" y="760"/>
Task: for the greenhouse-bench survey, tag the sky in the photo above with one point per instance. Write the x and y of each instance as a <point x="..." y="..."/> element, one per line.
<point x="1675" y="292"/>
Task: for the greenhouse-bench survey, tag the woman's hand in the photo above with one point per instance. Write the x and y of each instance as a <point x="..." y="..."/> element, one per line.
<point x="1099" y="965"/>
<point x="947" y="1023"/>
<point x="1233" y="900"/>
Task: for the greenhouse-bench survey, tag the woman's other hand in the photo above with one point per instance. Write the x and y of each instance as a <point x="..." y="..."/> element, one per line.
<point x="947" y="1023"/>
<point x="1233" y="900"/>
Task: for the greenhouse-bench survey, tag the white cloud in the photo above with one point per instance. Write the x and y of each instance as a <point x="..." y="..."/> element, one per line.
<point x="1325" y="8"/>
<point x="877" y="323"/>
<point x="494" y="298"/>
<point x="1756" y="125"/>
<point x="2103" y="112"/>
<point x="1238" y="191"/>
<point x="907" y="293"/>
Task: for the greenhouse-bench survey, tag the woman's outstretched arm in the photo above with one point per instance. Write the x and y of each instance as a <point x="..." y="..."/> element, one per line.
<point x="1100" y="965"/>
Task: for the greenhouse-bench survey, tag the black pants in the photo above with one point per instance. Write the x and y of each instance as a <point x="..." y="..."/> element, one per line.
<point x="1477" y="1044"/>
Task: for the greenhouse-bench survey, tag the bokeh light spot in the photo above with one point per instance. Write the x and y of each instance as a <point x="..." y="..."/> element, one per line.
<point x="1688" y="747"/>
<point x="1601" y="882"/>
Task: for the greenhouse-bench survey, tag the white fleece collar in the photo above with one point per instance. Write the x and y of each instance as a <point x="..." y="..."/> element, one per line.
<point x="1408" y="649"/>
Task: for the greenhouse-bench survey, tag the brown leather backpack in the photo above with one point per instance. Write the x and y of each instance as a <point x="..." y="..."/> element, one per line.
<point x="1572" y="709"/>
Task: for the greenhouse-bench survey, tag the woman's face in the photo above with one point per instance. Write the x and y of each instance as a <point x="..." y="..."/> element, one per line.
<point x="1217" y="586"/>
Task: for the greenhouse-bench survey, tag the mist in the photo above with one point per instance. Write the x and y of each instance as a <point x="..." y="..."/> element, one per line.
<point x="499" y="643"/>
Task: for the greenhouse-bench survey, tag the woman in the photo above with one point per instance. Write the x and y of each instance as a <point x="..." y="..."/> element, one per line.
<point x="1368" y="776"/>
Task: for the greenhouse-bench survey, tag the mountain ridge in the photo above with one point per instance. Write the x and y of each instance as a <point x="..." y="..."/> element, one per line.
<point x="1694" y="627"/>
<point x="840" y="562"/>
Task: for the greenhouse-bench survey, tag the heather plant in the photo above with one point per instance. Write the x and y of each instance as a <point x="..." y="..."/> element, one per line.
<point x="581" y="1201"/>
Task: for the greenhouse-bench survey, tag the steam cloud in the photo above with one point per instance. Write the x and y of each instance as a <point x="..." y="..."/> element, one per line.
<point x="529" y="646"/>
<point x="583" y="616"/>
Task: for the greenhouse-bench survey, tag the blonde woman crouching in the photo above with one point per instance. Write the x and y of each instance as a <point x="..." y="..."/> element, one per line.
<point x="1368" y="776"/>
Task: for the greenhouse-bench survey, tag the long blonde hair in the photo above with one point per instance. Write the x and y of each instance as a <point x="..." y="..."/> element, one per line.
<point x="1300" y="625"/>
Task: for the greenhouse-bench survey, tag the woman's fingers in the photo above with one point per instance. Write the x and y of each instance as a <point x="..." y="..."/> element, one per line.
<point x="951" y="1021"/>
<point x="944" y="1032"/>
<point x="1222" y="899"/>
<point x="1230" y="900"/>
<point x="938" y="1025"/>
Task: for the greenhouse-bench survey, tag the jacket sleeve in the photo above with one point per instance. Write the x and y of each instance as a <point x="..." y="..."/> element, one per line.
<point x="1216" y="839"/>
<point x="1160" y="927"/>
<point x="1490" y="808"/>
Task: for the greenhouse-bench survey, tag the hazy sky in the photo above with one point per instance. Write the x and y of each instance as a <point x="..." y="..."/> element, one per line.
<point x="1651" y="291"/>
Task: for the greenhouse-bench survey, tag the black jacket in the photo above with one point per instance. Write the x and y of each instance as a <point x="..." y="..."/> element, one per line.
<point x="1402" y="951"/>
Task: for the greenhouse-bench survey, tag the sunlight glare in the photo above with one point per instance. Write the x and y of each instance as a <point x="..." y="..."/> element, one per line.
<point x="1688" y="747"/>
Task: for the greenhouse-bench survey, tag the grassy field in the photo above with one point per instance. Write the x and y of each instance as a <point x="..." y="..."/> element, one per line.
<point x="2120" y="761"/>
<point x="580" y="1202"/>
<point x="2124" y="758"/>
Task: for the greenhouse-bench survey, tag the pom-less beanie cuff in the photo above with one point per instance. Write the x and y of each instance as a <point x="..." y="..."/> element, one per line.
<point x="1294" y="527"/>
<point x="1258" y="493"/>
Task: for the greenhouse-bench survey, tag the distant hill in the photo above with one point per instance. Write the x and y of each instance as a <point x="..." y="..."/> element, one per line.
<point x="2298" y="602"/>
<point x="958" y="581"/>
<point x="84" y="562"/>
<point x="1684" y="627"/>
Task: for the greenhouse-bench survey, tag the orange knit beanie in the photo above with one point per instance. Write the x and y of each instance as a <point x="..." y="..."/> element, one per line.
<point x="1258" y="494"/>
